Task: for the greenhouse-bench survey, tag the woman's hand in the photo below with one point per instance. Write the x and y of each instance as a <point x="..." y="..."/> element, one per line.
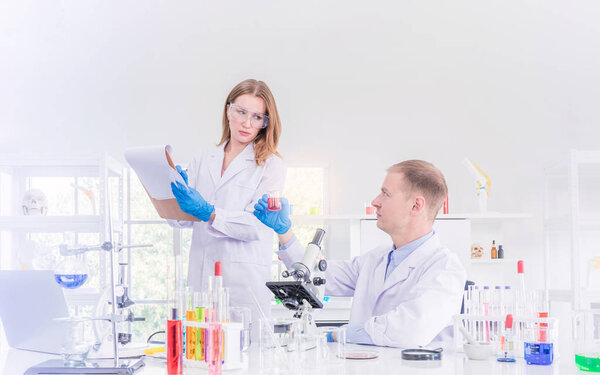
<point x="190" y="201"/>
<point x="183" y="173"/>
<point x="279" y="221"/>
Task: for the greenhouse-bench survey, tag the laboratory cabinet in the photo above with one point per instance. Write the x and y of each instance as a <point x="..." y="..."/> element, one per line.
<point x="571" y="237"/>
<point x="572" y="229"/>
<point x="49" y="201"/>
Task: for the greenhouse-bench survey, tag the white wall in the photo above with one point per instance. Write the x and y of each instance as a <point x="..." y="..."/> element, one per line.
<point x="360" y="85"/>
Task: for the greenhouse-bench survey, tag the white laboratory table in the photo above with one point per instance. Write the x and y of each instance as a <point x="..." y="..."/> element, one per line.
<point x="15" y="362"/>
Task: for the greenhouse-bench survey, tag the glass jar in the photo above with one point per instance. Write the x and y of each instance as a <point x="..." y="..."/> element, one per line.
<point x="586" y="331"/>
<point x="77" y="340"/>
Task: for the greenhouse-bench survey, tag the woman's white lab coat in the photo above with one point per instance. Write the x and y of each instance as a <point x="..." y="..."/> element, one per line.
<point x="409" y="309"/>
<point x="236" y="238"/>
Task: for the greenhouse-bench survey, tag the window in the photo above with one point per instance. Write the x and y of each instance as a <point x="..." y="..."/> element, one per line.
<point x="305" y="190"/>
<point x="147" y="273"/>
<point x="148" y="276"/>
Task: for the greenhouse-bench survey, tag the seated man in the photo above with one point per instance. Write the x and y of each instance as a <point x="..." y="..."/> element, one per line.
<point x="406" y="293"/>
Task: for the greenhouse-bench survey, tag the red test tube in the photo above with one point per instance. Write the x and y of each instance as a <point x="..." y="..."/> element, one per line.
<point x="174" y="345"/>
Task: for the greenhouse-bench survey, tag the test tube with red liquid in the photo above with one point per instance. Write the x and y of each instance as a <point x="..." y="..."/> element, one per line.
<point x="274" y="201"/>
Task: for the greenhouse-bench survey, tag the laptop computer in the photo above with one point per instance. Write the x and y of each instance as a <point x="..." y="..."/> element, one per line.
<point x="29" y="303"/>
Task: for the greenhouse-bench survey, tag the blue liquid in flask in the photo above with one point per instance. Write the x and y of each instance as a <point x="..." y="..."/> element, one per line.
<point x="71" y="281"/>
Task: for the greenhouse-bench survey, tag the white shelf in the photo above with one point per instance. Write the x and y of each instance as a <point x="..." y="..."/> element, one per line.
<point x="490" y="216"/>
<point x="54" y="166"/>
<point x="586" y="221"/>
<point x="310" y="218"/>
<point x="487" y="216"/>
<point x="560" y="295"/>
<point x="492" y="261"/>
<point x="566" y="295"/>
<point x="83" y="223"/>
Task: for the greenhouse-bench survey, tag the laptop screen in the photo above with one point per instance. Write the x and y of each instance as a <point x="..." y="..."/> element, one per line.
<point x="29" y="303"/>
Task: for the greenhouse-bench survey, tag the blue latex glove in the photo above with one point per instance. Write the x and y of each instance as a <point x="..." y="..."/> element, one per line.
<point x="183" y="173"/>
<point x="191" y="202"/>
<point x="279" y="221"/>
<point x="330" y="337"/>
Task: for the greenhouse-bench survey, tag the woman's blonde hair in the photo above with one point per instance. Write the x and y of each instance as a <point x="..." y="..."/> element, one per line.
<point x="267" y="139"/>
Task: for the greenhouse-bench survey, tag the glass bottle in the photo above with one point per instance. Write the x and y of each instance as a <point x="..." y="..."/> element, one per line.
<point x="72" y="272"/>
<point x="500" y="252"/>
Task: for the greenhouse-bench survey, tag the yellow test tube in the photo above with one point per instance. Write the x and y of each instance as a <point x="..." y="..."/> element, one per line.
<point x="190" y="338"/>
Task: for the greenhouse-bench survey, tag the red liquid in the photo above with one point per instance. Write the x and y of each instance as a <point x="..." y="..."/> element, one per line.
<point x="274" y="204"/>
<point x="543" y="328"/>
<point x="174" y="348"/>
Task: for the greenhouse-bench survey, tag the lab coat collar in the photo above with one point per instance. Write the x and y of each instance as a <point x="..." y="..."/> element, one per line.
<point x="414" y="260"/>
<point x="241" y="162"/>
<point x="216" y="163"/>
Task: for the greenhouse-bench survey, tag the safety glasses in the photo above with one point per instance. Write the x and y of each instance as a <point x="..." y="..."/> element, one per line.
<point x="241" y="114"/>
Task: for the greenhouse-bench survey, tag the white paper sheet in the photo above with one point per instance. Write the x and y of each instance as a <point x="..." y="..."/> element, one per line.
<point x="152" y="168"/>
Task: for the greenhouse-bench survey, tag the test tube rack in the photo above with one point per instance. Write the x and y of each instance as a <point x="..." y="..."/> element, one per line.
<point x="489" y="328"/>
<point x="232" y="356"/>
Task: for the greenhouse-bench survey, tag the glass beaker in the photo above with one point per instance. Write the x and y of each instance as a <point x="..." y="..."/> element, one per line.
<point x="274" y="201"/>
<point x="586" y="333"/>
<point x="77" y="340"/>
<point x="538" y="340"/>
<point x="276" y="332"/>
<point x="273" y="340"/>
<point x="331" y="346"/>
<point x="243" y="315"/>
<point x="72" y="272"/>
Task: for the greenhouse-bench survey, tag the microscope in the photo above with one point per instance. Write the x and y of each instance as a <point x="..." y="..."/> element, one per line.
<point x="307" y="290"/>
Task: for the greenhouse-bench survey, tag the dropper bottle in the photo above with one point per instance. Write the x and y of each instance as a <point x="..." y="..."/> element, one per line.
<point x="218" y="276"/>
<point x="521" y="274"/>
<point x="521" y="296"/>
<point x="218" y="292"/>
<point x="507" y="345"/>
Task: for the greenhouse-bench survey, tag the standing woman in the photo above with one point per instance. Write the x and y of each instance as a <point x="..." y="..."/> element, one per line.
<point x="224" y="183"/>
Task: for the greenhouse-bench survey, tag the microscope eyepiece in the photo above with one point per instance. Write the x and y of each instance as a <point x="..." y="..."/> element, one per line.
<point x="318" y="238"/>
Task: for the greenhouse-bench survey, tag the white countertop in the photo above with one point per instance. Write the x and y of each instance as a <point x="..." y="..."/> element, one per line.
<point x="13" y="362"/>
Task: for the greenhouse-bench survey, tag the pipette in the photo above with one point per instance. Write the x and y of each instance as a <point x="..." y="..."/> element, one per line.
<point x="269" y="326"/>
<point x="467" y="335"/>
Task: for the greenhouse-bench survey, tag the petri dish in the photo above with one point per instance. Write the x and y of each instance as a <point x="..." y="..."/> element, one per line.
<point x="361" y="354"/>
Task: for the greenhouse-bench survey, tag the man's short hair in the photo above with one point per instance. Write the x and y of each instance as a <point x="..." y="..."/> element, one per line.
<point x="425" y="178"/>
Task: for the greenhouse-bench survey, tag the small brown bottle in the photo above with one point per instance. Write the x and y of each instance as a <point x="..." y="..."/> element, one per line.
<point x="494" y="251"/>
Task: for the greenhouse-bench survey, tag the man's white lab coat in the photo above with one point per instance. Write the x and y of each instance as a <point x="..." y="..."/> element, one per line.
<point x="409" y="309"/>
